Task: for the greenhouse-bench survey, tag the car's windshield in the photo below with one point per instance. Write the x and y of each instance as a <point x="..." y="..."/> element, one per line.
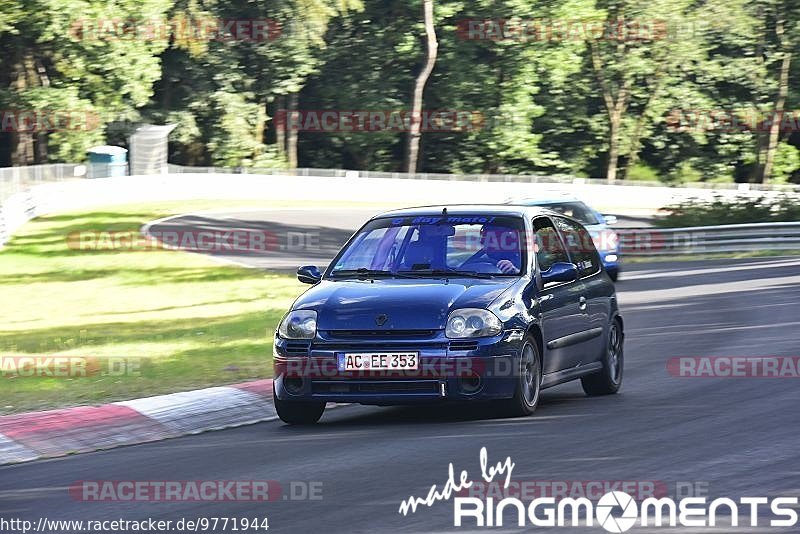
<point x="576" y="210"/>
<point x="470" y="245"/>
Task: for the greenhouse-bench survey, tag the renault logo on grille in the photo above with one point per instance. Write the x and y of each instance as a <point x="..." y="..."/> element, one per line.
<point x="381" y="319"/>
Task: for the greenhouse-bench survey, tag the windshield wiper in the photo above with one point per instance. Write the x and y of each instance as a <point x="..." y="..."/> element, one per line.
<point x="363" y="272"/>
<point x="451" y="273"/>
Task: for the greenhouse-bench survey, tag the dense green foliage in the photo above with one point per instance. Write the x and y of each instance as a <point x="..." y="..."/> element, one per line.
<point x="676" y="90"/>
<point x="726" y="210"/>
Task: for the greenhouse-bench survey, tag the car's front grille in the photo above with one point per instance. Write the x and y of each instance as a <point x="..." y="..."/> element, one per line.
<point x="297" y="347"/>
<point x="380" y="334"/>
<point x="463" y="345"/>
<point x="355" y="387"/>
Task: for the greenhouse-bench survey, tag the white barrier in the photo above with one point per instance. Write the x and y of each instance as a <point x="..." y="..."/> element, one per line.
<point x="16" y="211"/>
<point x="81" y="194"/>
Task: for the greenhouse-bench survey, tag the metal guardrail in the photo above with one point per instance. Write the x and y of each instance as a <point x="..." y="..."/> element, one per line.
<point x="16" y="202"/>
<point x="15" y="180"/>
<point x="519" y="178"/>
<point x="709" y="239"/>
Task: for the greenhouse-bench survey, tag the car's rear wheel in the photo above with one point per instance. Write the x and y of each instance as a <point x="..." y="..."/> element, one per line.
<point x="298" y="412"/>
<point x="609" y="379"/>
<point x="529" y="382"/>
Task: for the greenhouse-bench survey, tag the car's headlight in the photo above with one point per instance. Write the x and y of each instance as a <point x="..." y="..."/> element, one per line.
<point x="472" y="322"/>
<point x="299" y="324"/>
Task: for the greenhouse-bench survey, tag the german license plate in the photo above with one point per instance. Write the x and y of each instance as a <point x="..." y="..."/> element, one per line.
<point x="378" y="361"/>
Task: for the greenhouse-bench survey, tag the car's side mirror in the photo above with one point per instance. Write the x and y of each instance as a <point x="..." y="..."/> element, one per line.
<point x="560" y="272"/>
<point x="309" y="274"/>
<point x="610" y="219"/>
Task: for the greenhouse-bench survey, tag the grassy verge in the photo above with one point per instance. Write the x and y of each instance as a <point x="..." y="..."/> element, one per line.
<point x="184" y="320"/>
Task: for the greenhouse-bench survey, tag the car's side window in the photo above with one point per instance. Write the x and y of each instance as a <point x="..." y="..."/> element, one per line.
<point x="548" y="246"/>
<point x="580" y="246"/>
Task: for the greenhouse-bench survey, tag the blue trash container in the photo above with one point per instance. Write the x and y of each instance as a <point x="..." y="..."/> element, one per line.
<point x="107" y="161"/>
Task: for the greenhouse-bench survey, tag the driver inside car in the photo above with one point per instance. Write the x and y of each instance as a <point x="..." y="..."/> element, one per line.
<point x="500" y="247"/>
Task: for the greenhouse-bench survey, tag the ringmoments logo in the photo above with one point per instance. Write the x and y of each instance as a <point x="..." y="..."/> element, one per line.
<point x="618" y="511"/>
<point x="615" y="511"/>
<point x="605" y="511"/>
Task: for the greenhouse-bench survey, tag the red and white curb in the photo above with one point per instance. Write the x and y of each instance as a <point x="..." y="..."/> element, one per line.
<point x="34" y="435"/>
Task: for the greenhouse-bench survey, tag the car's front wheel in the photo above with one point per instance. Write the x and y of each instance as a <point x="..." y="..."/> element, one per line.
<point x="529" y="382"/>
<point x="609" y="379"/>
<point x="298" y="412"/>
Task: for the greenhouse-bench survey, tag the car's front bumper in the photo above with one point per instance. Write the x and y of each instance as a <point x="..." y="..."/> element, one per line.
<point x="475" y="369"/>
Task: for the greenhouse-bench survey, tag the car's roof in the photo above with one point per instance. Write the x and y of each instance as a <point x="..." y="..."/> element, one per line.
<point x="468" y="209"/>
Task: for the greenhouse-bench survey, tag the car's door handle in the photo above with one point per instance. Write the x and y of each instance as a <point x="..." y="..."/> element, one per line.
<point x="582" y="303"/>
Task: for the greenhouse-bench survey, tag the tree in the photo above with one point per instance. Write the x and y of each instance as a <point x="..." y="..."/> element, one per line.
<point x="286" y="65"/>
<point x="431" y="46"/>
<point x="785" y="50"/>
<point x="748" y="76"/>
<point x="70" y="58"/>
<point x="633" y="62"/>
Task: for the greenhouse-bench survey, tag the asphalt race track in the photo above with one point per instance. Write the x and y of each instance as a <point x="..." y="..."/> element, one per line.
<point x="731" y="437"/>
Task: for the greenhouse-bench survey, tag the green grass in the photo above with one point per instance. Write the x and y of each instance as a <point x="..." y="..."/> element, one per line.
<point x="190" y="321"/>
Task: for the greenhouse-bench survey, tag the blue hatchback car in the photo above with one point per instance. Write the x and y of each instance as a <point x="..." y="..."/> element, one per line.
<point x="451" y="303"/>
